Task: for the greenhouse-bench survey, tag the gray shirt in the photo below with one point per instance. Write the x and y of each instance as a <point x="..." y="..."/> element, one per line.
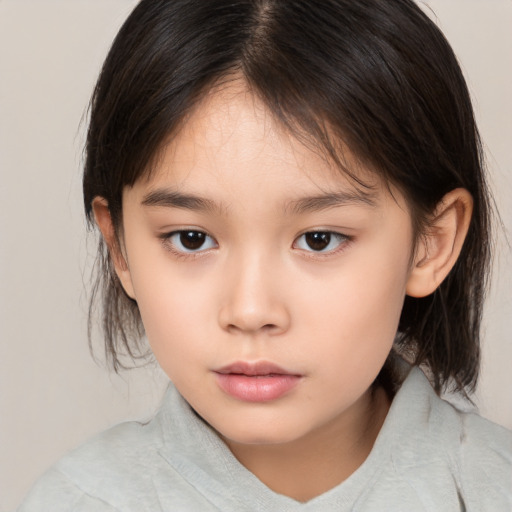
<point x="428" y="457"/>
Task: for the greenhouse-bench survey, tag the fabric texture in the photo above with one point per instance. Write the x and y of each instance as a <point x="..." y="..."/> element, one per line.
<point x="428" y="457"/>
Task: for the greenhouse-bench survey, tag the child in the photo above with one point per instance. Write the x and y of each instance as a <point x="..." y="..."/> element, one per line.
<point x="293" y="210"/>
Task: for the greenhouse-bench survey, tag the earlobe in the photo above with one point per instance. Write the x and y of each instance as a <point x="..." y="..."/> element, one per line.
<point x="438" y="249"/>
<point x="104" y="222"/>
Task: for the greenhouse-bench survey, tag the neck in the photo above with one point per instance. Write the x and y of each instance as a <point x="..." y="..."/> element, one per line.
<point x="319" y="461"/>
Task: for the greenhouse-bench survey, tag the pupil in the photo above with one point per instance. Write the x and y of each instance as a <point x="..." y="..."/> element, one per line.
<point x="192" y="239"/>
<point x="318" y="240"/>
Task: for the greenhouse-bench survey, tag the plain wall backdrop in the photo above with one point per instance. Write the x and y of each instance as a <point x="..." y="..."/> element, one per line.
<point x="52" y="395"/>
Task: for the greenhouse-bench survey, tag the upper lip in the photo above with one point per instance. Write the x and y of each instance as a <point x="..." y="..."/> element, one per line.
<point x="259" y="368"/>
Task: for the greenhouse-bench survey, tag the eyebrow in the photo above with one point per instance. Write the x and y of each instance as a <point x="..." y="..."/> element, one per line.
<point x="173" y="199"/>
<point x="331" y="200"/>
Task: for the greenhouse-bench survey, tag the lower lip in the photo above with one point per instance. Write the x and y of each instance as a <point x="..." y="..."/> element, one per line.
<point x="256" y="388"/>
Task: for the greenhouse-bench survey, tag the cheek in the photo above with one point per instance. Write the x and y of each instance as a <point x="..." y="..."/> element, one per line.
<point x="171" y="304"/>
<point x="357" y="313"/>
<point x="365" y="293"/>
<point x="173" y="325"/>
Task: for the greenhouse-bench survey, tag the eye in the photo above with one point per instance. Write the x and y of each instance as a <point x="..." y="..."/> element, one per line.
<point x="320" y="241"/>
<point x="189" y="241"/>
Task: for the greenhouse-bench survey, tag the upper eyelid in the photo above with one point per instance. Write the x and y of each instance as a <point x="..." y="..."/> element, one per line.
<point x="170" y="232"/>
<point x="324" y="230"/>
<point x="329" y="231"/>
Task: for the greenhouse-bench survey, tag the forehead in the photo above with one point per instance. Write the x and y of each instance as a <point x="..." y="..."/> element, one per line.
<point x="232" y="140"/>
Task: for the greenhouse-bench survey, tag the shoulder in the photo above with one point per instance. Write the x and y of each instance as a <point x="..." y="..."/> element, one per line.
<point x="56" y="492"/>
<point x="485" y="459"/>
<point x="102" y="474"/>
<point x="131" y="467"/>
<point x="460" y="452"/>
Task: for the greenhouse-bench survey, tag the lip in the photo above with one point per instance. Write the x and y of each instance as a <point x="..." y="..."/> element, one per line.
<point x="261" y="381"/>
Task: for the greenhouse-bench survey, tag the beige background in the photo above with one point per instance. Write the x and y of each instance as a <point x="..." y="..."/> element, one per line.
<point x="52" y="395"/>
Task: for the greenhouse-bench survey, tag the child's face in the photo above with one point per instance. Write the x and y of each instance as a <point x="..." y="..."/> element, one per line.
<point x="320" y="312"/>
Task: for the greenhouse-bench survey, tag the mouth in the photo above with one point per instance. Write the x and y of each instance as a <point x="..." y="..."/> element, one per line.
<point x="256" y="382"/>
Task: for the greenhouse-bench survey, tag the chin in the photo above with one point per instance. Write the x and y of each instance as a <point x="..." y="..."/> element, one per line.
<point x="267" y="434"/>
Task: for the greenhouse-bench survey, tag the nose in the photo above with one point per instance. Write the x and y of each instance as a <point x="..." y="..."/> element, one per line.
<point x="254" y="298"/>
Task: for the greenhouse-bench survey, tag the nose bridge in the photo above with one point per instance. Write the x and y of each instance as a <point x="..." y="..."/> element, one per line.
<point x="254" y="299"/>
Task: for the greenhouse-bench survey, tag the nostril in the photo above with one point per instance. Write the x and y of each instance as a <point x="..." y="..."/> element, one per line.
<point x="268" y="328"/>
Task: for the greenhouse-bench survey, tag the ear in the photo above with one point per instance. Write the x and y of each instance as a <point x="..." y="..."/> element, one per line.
<point x="104" y="222"/>
<point x="439" y="248"/>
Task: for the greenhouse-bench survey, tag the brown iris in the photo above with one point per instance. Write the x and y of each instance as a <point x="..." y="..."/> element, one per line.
<point x="318" y="240"/>
<point x="192" y="240"/>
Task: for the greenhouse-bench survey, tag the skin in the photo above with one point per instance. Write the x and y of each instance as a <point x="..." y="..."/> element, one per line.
<point x="256" y="291"/>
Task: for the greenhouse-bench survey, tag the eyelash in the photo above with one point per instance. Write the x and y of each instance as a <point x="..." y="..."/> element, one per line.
<point x="166" y="238"/>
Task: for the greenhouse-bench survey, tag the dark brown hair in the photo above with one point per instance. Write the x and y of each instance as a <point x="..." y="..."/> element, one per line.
<point x="378" y="73"/>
